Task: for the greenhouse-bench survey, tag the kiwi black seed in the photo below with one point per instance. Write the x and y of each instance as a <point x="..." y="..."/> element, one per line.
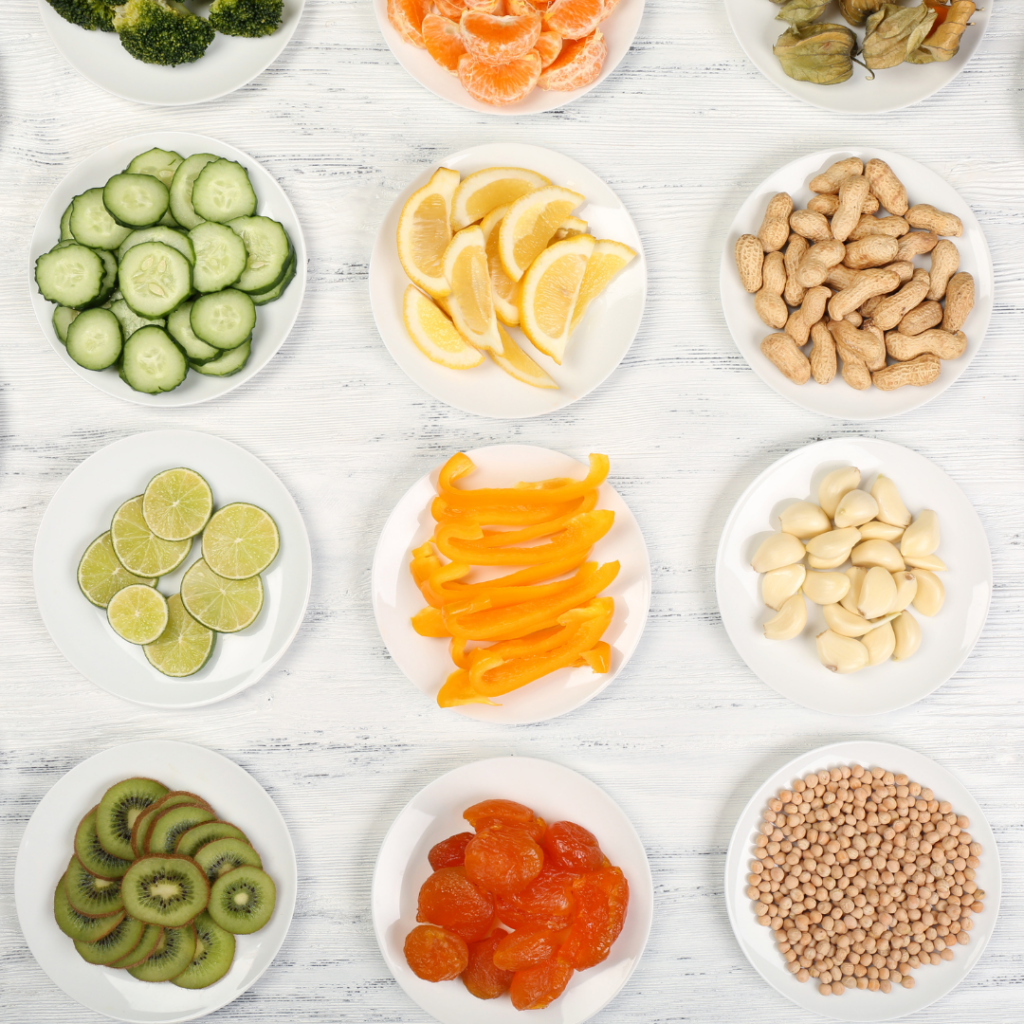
<point x="118" y="944"/>
<point x="215" y="949"/>
<point x="243" y="900"/>
<point x="117" y="811"/>
<point x="196" y="838"/>
<point x="176" y="798"/>
<point x="173" y="954"/>
<point x="224" y="855"/>
<point x="89" y="895"/>
<point x="142" y="952"/>
<point x="77" y="926"/>
<point x="168" y="825"/>
<point x="167" y="890"/>
<point x="94" y="858"/>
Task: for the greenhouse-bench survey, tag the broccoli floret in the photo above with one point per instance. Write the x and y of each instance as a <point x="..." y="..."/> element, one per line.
<point x="162" y="32"/>
<point x="249" y="18"/>
<point x="90" y="14"/>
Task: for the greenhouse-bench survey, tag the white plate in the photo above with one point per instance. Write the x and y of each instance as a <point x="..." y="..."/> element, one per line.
<point x="619" y="32"/>
<point x="82" y="509"/>
<point x="556" y="793"/>
<point x="793" y="667"/>
<point x="758" y="30"/>
<point x="228" y="64"/>
<point x="274" y="321"/>
<point x="838" y="398"/>
<point x="48" y="844"/>
<point x="425" y="660"/>
<point x="598" y="344"/>
<point x="931" y="983"/>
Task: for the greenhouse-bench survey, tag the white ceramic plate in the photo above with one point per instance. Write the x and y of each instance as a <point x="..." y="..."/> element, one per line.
<point x="838" y="398"/>
<point x="82" y="509"/>
<point x="931" y="983"/>
<point x="619" y="32"/>
<point x="274" y="321"/>
<point x="48" y="844"/>
<point x="598" y="345"/>
<point x="425" y="660"/>
<point x="555" y="793"/>
<point x="228" y="64"/>
<point x="758" y="30"/>
<point x="792" y="667"/>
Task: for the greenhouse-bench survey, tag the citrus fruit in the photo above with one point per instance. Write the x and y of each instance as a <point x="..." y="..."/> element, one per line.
<point x="531" y="223"/>
<point x="499" y="39"/>
<point x="138" y="613"/>
<point x="240" y="541"/>
<point x="140" y="550"/>
<point x="424" y="231"/>
<point x="225" y="606"/>
<point x="549" y="46"/>
<point x="607" y="259"/>
<point x="451" y="9"/>
<point x="526" y="6"/>
<point x="443" y="40"/>
<point x="569" y="227"/>
<point x="516" y="363"/>
<point x="499" y="84"/>
<point x="435" y="335"/>
<point x="573" y="19"/>
<point x="470" y="300"/>
<point x="609" y="6"/>
<point x="488" y="6"/>
<point x="504" y="291"/>
<point x="548" y="293"/>
<point x="176" y="504"/>
<point x="406" y="17"/>
<point x="101" y="575"/>
<point x="184" y="646"/>
<point x="578" y="64"/>
<point x="485" y="190"/>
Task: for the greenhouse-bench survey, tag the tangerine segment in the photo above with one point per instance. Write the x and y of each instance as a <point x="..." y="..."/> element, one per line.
<point x="406" y="17"/>
<point x="571" y="847"/>
<point x="549" y="46"/>
<point x="539" y="986"/>
<point x="482" y="978"/>
<point x="503" y="861"/>
<point x="573" y="19"/>
<point x="449" y="899"/>
<point x="443" y="40"/>
<point x="609" y="6"/>
<point x="526" y="6"/>
<point x="500" y="810"/>
<point x="450" y="852"/>
<point x="601" y="901"/>
<point x="487" y="6"/>
<point x="499" y="84"/>
<point x="499" y="39"/>
<point x="524" y="949"/>
<point x="547" y="902"/>
<point x="450" y="8"/>
<point x="578" y="64"/>
<point x="435" y="954"/>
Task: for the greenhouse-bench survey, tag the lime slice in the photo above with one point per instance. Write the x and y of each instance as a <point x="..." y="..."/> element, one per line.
<point x="185" y="645"/>
<point x="138" y="613"/>
<point x="225" y="606"/>
<point x="240" y="541"/>
<point x="177" y="504"/>
<point x="138" y="549"/>
<point x="101" y="575"/>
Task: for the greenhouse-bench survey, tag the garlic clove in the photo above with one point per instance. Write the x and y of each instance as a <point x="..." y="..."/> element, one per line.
<point x="826" y="563"/>
<point x="841" y="654"/>
<point x="804" y="520"/>
<point x="877" y="593"/>
<point x="930" y="562"/>
<point x="790" y="620"/>
<point x="921" y="537"/>
<point x="931" y="594"/>
<point x="837" y="484"/>
<point x="856" y="575"/>
<point x="878" y="552"/>
<point x="778" y="550"/>
<point x="856" y="507"/>
<point x="845" y="623"/>
<point x="779" y="585"/>
<point x="890" y="505"/>
<point x="826" y="587"/>
<point x="880" y="642"/>
<point x="906" y="590"/>
<point x="877" y="530"/>
<point x="908" y="636"/>
<point x="834" y="543"/>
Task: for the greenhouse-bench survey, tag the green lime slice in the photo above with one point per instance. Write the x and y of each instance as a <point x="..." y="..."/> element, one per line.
<point x="101" y="575"/>
<point x="138" y="614"/>
<point x="177" y="504"/>
<point x="240" y="541"/>
<point x="138" y="549"/>
<point x="184" y="647"/>
<point x="225" y="606"/>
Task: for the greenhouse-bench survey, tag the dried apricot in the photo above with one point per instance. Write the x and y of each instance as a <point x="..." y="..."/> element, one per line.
<point x="406" y="16"/>
<point x="539" y="986"/>
<point x="601" y="901"/>
<point x="578" y="64"/>
<point x="499" y="39"/>
<point x="497" y="810"/>
<point x="525" y="948"/>
<point x="483" y="979"/>
<point x="435" y="954"/>
<point x="503" y="860"/>
<point x="573" y="19"/>
<point x="450" y="899"/>
<point x="571" y="847"/>
<point x="499" y="84"/>
<point x="535" y="829"/>
<point x="547" y="902"/>
<point x="443" y="41"/>
<point x="450" y="852"/>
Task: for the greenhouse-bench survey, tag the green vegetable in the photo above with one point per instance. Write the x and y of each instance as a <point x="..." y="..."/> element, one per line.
<point x="90" y="14"/>
<point x="822" y="54"/>
<point x="249" y="18"/>
<point x="162" y="32"/>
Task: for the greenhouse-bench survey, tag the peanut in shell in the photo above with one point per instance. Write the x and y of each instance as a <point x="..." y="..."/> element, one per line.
<point x="817" y="262"/>
<point x="928" y="217"/>
<point x="795" y="252"/>
<point x="852" y="193"/>
<point x="774" y="230"/>
<point x="784" y="353"/>
<point x="811" y="225"/>
<point x="959" y="301"/>
<point x="768" y="301"/>
<point x="922" y="317"/>
<point x="894" y="227"/>
<point x="867" y="346"/>
<point x="934" y="342"/>
<point x="823" y="354"/>
<point x="916" y="243"/>
<point x="886" y="187"/>
<point x="829" y="180"/>
<point x="892" y="310"/>
<point x="917" y="373"/>
<point x="872" y="251"/>
<point x="868" y="283"/>
<point x="855" y="372"/>
<point x="800" y="322"/>
<point x="945" y="263"/>
<point x="749" y="260"/>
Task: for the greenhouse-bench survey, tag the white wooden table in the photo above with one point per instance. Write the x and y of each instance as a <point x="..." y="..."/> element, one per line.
<point x="683" y="130"/>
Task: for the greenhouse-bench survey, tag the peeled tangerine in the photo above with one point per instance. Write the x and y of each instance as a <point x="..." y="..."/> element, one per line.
<point x="790" y="620"/>
<point x="499" y="39"/>
<point x="842" y="654"/>
<point x="443" y="40"/>
<point x="499" y="84"/>
<point x="804" y="520"/>
<point x="573" y="19"/>
<point x="577" y="64"/>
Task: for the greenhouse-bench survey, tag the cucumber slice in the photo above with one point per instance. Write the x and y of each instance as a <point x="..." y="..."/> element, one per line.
<point x="62" y="318"/>
<point x="229" y="363"/>
<point x="136" y="200"/>
<point x="109" y="276"/>
<point x="95" y="340"/>
<point x="180" y="329"/>
<point x="269" y="247"/>
<point x="168" y="221"/>
<point x="71" y="275"/>
<point x="159" y="233"/>
<point x="130" y="323"/>
<point x="222" y="192"/>
<point x="181" y="189"/>
<point x="151" y="362"/>
<point x="158" y="163"/>
<point x="273" y="294"/>
<point x="224" y="319"/>
<point x="91" y="222"/>
<point x="154" y="278"/>
<point x="65" y="223"/>
<point x="221" y="256"/>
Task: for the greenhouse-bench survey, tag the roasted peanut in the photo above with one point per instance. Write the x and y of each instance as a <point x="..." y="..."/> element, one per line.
<point x="945" y="263"/>
<point x="889" y="312"/>
<point x="916" y="243"/>
<point x="774" y="230"/>
<point x="959" y="301"/>
<point x="811" y="225"/>
<point x="917" y="372"/>
<point x="865" y="346"/>
<point x="866" y="285"/>
<point x="854" y="318"/>
<point x="749" y="260"/>
<point x="830" y="180"/>
<point x="852" y="193"/>
<point x="782" y="350"/>
<point x="904" y="268"/>
<point x="823" y="353"/>
<point x="931" y="219"/>
<point x="818" y="260"/>
<point x="768" y="301"/>
<point x="827" y="203"/>
<point x="939" y="343"/>
<point x="855" y="372"/>
<point x="886" y="187"/>
<point x="840" y="277"/>
<point x="799" y="324"/>
<point x="920" y="318"/>
<point x="891" y="226"/>
<point x="795" y="251"/>
<point x="872" y="251"/>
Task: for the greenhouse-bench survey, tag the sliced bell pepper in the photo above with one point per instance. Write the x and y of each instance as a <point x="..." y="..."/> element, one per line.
<point x="599" y="658"/>
<point x="457" y="691"/>
<point x="503" y="538"/>
<point x="444" y="586"/>
<point x="460" y="465"/>
<point x="534" y="643"/>
<point x="424" y="563"/>
<point x="428" y="622"/>
<point x="502" y="515"/>
<point x="502" y="597"/>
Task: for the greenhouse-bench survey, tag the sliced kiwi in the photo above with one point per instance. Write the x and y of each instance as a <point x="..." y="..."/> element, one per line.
<point x="94" y="858"/>
<point x="145" y="820"/>
<point x="196" y="838"/>
<point x="147" y="945"/>
<point x="77" y="926"/>
<point x="242" y="900"/>
<point x="89" y="895"/>
<point x="225" y="855"/>
<point x="173" y="954"/>
<point x="117" y="811"/>
<point x="176" y="821"/>
<point x="215" y="949"/>
<point x="115" y="946"/>
<point x="167" y="890"/>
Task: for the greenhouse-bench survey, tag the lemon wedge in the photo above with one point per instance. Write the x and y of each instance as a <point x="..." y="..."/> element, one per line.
<point x="469" y="299"/>
<point x="424" y="231"/>
<point x="504" y="290"/>
<point x="569" y="227"/>
<point x="435" y="335"/>
<point x="607" y="259"/>
<point x="496" y="186"/>
<point x="516" y="363"/>
<point x="530" y="224"/>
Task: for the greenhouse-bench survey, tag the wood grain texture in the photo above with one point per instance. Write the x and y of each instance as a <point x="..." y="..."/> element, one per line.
<point x="683" y="130"/>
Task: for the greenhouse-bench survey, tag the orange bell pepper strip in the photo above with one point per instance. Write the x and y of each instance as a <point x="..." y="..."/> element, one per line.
<point x="599" y="658"/>
<point x="502" y="597"/>
<point x="503" y="538"/>
<point x="428" y="622"/>
<point x="424" y="563"/>
<point x="460" y="465"/>
<point x="502" y="515"/>
<point x="444" y="586"/>
<point x="457" y="691"/>
<point x="534" y="643"/>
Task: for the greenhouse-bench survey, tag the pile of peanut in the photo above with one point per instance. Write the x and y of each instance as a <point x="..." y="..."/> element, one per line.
<point x="864" y="876"/>
<point x="847" y="283"/>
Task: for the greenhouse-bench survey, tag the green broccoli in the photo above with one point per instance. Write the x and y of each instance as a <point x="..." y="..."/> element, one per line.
<point x="250" y="18"/>
<point x="90" y="14"/>
<point x="162" y="32"/>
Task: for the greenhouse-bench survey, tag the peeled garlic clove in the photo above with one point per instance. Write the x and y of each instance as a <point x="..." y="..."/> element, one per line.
<point x="890" y="505"/>
<point x="930" y="562"/>
<point x="855" y="508"/>
<point x="838" y="483"/>
<point x="877" y="593"/>
<point x="855" y="574"/>
<point x="906" y="590"/>
<point x="789" y="622"/>
<point x="804" y="519"/>
<point x="877" y="530"/>
<point x="845" y="623"/>
<point x="779" y="585"/>
<point x="826" y="563"/>
<point x="833" y="544"/>
<point x="841" y="654"/>
<point x="930" y="593"/>
<point x="878" y="552"/>
<point x="908" y="636"/>
<point x="826" y="587"/>
<point x="880" y="642"/>
<point x="921" y="537"/>
<point x="778" y="550"/>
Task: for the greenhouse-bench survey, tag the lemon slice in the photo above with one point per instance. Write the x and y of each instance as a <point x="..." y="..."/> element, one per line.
<point x="424" y="231"/>
<point x="569" y="227"/>
<point x="140" y="550"/>
<point x="516" y="363"/>
<point x="184" y="646"/>
<point x="240" y="541"/>
<point x="607" y="259"/>
<point x="548" y="293"/>
<point x="530" y="224"/>
<point x="504" y="291"/>
<point x="225" y="606"/>
<point x="101" y="575"/>
<point x="138" y="613"/>
<point x="496" y="186"/>
<point x="435" y="335"/>
<point x="176" y="504"/>
<point x="470" y="301"/>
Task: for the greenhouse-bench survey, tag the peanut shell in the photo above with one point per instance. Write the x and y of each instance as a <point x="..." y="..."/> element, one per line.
<point x="945" y="263"/>
<point x="931" y="219"/>
<point x="872" y="251"/>
<point x="892" y="310"/>
<point x="830" y="179"/>
<point x="811" y="225"/>
<point x="894" y="227"/>
<point x="934" y="342"/>
<point x="918" y="372"/>
<point x="916" y="243"/>
<point x="799" y="324"/>
<point x="749" y="260"/>
<point x="959" y="301"/>
<point x="784" y="353"/>
<point x="774" y="230"/>
<point x="921" y="318"/>
<point x="886" y="187"/>
<point x="795" y="252"/>
<point x="852" y="193"/>
<point x="823" y="354"/>
<point x="768" y="301"/>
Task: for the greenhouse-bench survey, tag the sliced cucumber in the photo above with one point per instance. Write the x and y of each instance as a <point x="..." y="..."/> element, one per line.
<point x="91" y="222"/>
<point x="181" y="189"/>
<point x="152" y="362"/>
<point x="136" y="200"/>
<point x="229" y="363"/>
<point x="269" y="247"/>
<point x="159" y="233"/>
<point x="272" y="294"/>
<point x="71" y="275"/>
<point x="154" y="279"/>
<point x="130" y="322"/>
<point x="95" y="340"/>
<point x="224" y="319"/>
<point x="109" y="276"/>
<point x="222" y="192"/>
<point x="168" y="221"/>
<point x="62" y="317"/>
<point x="65" y="223"/>
<point x="158" y="163"/>
<point x="180" y="329"/>
<point x="221" y="256"/>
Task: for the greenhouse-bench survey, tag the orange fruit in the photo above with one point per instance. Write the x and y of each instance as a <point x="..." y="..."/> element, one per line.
<point x="526" y="6"/>
<point x="450" y="8"/>
<point x="443" y="41"/>
<point x="609" y="6"/>
<point x="406" y="17"/>
<point x="578" y="64"/>
<point x="499" y="39"/>
<point x="549" y="46"/>
<point x="574" y="19"/>
<point x="487" y="6"/>
<point x="499" y="84"/>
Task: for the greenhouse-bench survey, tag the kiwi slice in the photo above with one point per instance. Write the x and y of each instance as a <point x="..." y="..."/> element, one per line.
<point x="94" y="858"/>
<point x="117" y="811"/>
<point x="77" y="926"/>
<point x="115" y="946"/>
<point x="145" y="820"/>
<point x="168" y="825"/>
<point x="89" y="895"/>
<point x="142" y="952"/>
<point x="224" y="855"/>
<point x="215" y="949"/>
<point x="167" y="890"/>
<point x="173" y="954"/>
<point x="243" y="900"/>
<point x="196" y="838"/>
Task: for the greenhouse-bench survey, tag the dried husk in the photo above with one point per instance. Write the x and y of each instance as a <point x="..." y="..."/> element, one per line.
<point x="945" y="43"/>
<point x="801" y="12"/>
<point x="818" y="53"/>
<point x="895" y="32"/>
<point x="857" y="11"/>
